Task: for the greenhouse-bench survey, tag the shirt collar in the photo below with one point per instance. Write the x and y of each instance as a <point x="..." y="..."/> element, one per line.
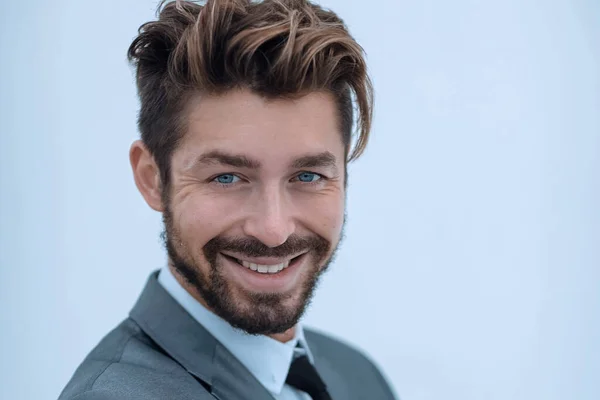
<point x="266" y="358"/>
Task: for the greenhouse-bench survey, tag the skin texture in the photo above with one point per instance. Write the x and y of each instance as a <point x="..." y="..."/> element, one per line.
<point x="257" y="180"/>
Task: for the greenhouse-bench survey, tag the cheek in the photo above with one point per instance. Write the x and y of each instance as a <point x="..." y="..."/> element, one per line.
<point x="336" y="221"/>
<point x="201" y="218"/>
<point x="326" y="216"/>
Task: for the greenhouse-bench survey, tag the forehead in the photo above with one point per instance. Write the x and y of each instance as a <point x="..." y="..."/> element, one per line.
<point x="242" y="121"/>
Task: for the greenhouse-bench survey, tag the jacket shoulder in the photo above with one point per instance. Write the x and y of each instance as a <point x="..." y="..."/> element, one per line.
<point x="127" y="364"/>
<point x="350" y="363"/>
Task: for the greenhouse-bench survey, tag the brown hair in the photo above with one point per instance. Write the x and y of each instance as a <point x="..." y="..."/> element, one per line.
<point x="276" y="48"/>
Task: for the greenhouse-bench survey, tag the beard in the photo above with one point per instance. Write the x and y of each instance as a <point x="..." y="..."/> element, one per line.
<point x="253" y="312"/>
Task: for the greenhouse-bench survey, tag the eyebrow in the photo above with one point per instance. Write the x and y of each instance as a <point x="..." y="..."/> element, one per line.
<point x="223" y="158"/>
<point x="218" y="157"/>
<point x="324" y="159"/>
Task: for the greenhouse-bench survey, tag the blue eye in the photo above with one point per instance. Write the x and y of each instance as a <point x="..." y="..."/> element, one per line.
<point x="226" y="179"/>
<point x="308" y="177"/>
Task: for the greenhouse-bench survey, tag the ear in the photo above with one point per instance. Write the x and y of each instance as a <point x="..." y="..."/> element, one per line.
<point x="146" y="175"/>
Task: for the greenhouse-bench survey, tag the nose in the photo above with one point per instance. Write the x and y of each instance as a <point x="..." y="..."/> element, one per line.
<point x="271" y="221"/>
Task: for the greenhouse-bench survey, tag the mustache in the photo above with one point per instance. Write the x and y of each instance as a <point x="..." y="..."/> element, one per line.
<point x="253" y="247"/>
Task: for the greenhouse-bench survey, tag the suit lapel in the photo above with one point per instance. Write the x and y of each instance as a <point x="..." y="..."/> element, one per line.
<point x="192" y="346"/>
<point x="336" y="384"/>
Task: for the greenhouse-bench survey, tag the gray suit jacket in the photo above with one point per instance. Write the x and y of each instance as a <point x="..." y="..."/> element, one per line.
<point x="161" y="352"/>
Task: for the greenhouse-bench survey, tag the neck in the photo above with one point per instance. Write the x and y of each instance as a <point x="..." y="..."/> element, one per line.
<point x="282" y="337"/>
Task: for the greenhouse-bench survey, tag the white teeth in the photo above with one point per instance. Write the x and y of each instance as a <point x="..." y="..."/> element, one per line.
<point x="266" y="269"/>
<point x="263" y="268"/>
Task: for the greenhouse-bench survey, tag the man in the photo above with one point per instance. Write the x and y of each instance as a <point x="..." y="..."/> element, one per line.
<point x="246" y="126"/>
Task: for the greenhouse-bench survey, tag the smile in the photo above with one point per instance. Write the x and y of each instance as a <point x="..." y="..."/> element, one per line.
<point x="266" y="269"/>
<point x="264" y="266"/>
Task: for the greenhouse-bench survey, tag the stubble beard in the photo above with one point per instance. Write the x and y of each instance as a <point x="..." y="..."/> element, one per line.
<point x="253" y="312"/>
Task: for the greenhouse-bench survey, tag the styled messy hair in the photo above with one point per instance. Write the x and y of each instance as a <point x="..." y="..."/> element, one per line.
<point x="275" y="48"/>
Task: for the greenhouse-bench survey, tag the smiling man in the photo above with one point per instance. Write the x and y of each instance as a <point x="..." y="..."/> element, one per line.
<point x="246" y="125"/>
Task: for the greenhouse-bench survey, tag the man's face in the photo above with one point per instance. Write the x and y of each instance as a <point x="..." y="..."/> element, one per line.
<point x="255" y="208"/>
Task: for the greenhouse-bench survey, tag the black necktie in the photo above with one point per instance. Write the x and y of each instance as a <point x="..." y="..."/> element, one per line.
<point x="303" y="376"/>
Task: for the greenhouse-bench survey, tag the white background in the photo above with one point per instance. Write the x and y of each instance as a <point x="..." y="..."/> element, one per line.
<point x="471" y="268"/>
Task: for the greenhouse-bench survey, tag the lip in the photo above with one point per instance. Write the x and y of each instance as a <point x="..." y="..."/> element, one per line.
<point x="262" y="260"/>
<point x="253" y="281"/>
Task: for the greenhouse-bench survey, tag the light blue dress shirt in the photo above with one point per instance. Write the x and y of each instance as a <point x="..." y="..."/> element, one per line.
<point x="266" y="358"/>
